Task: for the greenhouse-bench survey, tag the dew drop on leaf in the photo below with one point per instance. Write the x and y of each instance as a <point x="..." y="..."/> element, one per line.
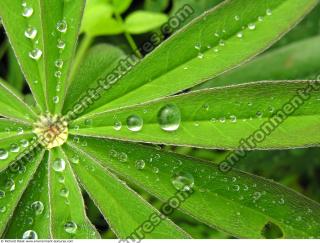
<point x="123" y="157"/>
<point x="117" y="126"/>
<point x="75" y="159"/>
<point x="59" y="165"/>
<point x="31" y="33"/>
<point x="252" y="26"/>
<point x="24" y="143"/>
<point x="182" y="181"/>
<point x="61" y="44"/>
<point x="56" y="99"/>
<point x="59" y="63"/>
<point x="14" y="148"/>
<point x="70" y="227"/>
<point x="140" y="164"/>
<point x="30" y="234"/>
<point x="27" y="12"/>
<point x="2" y="194"/>
<point x="134" y="123"/>
<point x="269" y="12"/>
<point x="3" y="209"/>
<point x="10" y="185"/>
<point x="169" y="117"/>
<point x="37" y="207"/>
<point x="62" y="26"/>
<point x="3" y="154"/>
<point x="35" y="54"/>
<point x="64" y="192"/>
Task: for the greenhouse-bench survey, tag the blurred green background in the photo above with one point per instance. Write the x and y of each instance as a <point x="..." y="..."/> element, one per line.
<point x="128" y="26"/>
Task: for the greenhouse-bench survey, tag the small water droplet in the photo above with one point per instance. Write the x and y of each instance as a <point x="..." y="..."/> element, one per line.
<point x="14" y="148"/>
<point x="58" y="74"/>
<point x="221" y="43"/>
<point x="200" y="55"/>
<point x="59" y="165"/>
<point x="252" y="26"/>
<point x="123" y="157"/>
<point x="134" y="123"/>
<point x="140" y="164"/>
<point x="75" y="159"/>
<point x="27" y="12"/>
<point x="10" y="185"/>
<point x="31" y="33"/>
<point x="182" y="181"/>
<point x="37" y="207"/>
<point x="260" y="18"/>
<point x="269" y="12"/>
<point x="35" y="54"/>
<point x="237" y="18"/>
<point x="3" y="209"/>
<point x="24" y="143"/>
<point x="70" y="227"/>
<point x="30" y="234"/>
<point x="240" y="34"/>
<point x="169" y="117"/>
<point x="62" y="26"/>
<point x="117" y="126"/>
<point x="64" y="192"/>
<point x="59" y="63"/>
<point x="3" y="154"/>
<point x="2" y="194"/>
<point x="56" y="99"/>
<point x="233" y="119"/>
<point x="61" y="44"/>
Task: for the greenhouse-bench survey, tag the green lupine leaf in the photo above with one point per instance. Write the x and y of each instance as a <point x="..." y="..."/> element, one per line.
<point x="68" y="218"/>
<point x="33" y="208"/>
<point x="13" y="146"/>
<point x="156" y="5"/>
<point x="186" y="59"/>
<point x="9" y="128"/>
<point x="140" y="22"/>
<point x="116" y="201"/>
<point x="210" y="120"/>
<point x="14" y="77"/>
<point x="238" y="203"/>
<point x="12" y="105"/>
<point x="100" y="61"/>
<point x="12" y="185"/>
<point x="298" y="61"/>
<point x="121" y="6"/>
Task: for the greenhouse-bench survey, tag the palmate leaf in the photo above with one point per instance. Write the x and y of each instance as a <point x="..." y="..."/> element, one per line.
<point x="210" y="120"/>
<point x="298" y="61"/>
<point x="185" y="59"/>
<point x="43" y="35"/>
<point x="238" y="203"/>
<point x="116" y="201"/>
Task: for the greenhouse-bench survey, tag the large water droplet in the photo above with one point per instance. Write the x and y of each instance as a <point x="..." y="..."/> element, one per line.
<point x="31" y="33"/>
<point x="30" y="234"/>
<point x="27" y="12"/>
<point x="3" y="154"/>
<point x="62" y="26"/>
<point x="182" y="181"/>
<point x="59" y="165"/>
<point x="35" y="54"/>
<point x="169" y="117"/>
<point x="70" y="227"/>
<point x="134" y="123"/>
<point x="37" y="207"/>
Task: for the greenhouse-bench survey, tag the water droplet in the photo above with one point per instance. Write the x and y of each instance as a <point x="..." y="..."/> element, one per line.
<point x="123" y="157"/>
<point x="197" y="47"/>
<point x="59" y="165"/>
<point x="14" y="148"/>
<point x="3" y="154"/>
<point x="252" y="26"/>
<point x="169" y="117"/>
<point x="75" y="159"/>
<point x="155" y="170"/>
<point x="240" y="34"/>
<point x="117" y="126"/>
<point x="61" y="44"/>
<point x="233" y="119"/>
<point x="37" y="207"/>
<point x="27" y="12"/>
<point x="182" y="181"/>
<point x="56" y="99"/>
<point x="20" y="130"/>
<point x="269" y="12"/>
<point x="62" y="26"/>
<point x="59" y="63"/>
<point x="222" y="119"/>
<point x="259" y="114"/>
<point x="200" y="55"/>
<point x="70" y="227"/>
<point x="140" y="164"/>
<point x="10" y="185"/>
<point x="221" y="43"/>
<point x="3" y="209"/>
<point x="2" y="194"/>
<point x="24" y="143"/>
<point x="58" y="74"/>
<point x="30" y="234"/>
<point x="134" y="123"/>
<point x="64" y="192"/>
<point x="31" y="33"/>
<point x="260" y="18"/>
<point x="35" y="54"/>
<point x="237" y="18"/>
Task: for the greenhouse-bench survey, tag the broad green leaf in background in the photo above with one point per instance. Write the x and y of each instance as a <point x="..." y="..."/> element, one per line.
<point x="12" y="186"/>
<point x="116" y="201"/>
<point x="120" y="6"/>
<point x="99" y="62"/>
<point x="209" y="120"/>
<point x="13" y="106"/>
<point x="67" y="209"/>
<point x="156" y="5"/>
<point x="34" y="207"/>
<point x="237" y="203"/>
<point x="14" y="76"/>
<point x="297" y="61"/>
<point x="140" y="22"/>
<point x="219" y="40"/>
